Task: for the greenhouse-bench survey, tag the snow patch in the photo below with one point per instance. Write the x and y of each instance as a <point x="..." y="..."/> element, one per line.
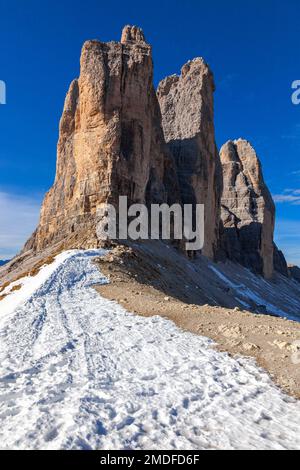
<point x="224" y="278"/>
<point x="30" y="284"/>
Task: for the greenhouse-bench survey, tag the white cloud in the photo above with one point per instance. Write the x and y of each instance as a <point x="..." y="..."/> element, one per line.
<point x="18" y="218"/>
<point x="291" y="196"/>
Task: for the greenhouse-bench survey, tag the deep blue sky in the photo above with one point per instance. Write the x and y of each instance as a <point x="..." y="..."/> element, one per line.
<point x="252" y="47"/>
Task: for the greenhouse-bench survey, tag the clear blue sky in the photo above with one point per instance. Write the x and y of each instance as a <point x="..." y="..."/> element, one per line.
<point x="252" y="47"/>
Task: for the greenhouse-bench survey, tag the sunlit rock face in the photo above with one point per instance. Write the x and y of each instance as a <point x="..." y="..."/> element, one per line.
<point x="110" y="144"/>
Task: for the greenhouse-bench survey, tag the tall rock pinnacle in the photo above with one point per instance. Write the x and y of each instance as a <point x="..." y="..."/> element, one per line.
<point x="110" y="144"/>
<point x="186" y="103"/>
<point x="248" y="211"/>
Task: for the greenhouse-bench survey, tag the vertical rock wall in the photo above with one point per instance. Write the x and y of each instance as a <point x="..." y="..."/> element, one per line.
<point x="247" y="209"/>
<point x="186" y="103"/>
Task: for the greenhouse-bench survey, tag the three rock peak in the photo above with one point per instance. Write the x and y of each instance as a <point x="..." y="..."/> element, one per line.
<point x="118" y="136"/>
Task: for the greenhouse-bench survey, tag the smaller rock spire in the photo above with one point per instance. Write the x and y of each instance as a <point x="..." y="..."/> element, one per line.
<point x="247" y="209"/>
<point x="132" y="34"/>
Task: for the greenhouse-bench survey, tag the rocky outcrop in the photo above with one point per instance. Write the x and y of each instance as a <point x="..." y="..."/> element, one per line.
<point x="110" y="142"/>
<point x="294" y="272"/>
<point x="247" y="209"/>
<point x="186" y="103"/>
<point x="280" y="264"/>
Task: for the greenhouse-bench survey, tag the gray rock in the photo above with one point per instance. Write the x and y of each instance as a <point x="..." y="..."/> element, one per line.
<point x="247" y="209"/>
<point x="280" y="264"/>
<point x="186" y="103"/>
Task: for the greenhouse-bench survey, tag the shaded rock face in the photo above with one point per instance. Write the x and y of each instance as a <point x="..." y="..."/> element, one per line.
<point x="280" y="264"/>
<point x="186" y="103"/>
<point x="247" y="209"/>
<point x="110" y="142"/>
<point x="294" y="272"/>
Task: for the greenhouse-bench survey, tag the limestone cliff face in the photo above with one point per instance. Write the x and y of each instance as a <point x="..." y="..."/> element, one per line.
<point x="110" y="141"/>
<point x="118" y="137"/>
<point x="247" y="209"/>
<point x="186" y="103"/>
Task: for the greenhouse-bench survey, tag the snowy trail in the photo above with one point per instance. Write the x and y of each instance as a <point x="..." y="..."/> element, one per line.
<point x="79" y="372"/>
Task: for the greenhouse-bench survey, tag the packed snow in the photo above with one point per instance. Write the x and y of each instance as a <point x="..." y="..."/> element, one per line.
<point x="29" y="285"/>
<point x="77" y="371"/>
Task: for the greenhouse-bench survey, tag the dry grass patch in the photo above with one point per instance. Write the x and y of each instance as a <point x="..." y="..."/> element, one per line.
<point x="36" y="268"/>
<point x="4" y="286"/>
<point x="16" y="288"/>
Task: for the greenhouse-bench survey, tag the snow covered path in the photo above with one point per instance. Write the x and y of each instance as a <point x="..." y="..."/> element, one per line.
<point x="79" y="372"/>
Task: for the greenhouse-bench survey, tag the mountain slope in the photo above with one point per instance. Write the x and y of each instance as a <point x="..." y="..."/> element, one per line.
<point x="79" y="372"/>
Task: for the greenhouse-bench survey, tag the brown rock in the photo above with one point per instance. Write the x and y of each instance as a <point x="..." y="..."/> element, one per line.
<point x="110" y="142"/>
<point x="186" y="103"/>
<point x="250" y="347"/>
